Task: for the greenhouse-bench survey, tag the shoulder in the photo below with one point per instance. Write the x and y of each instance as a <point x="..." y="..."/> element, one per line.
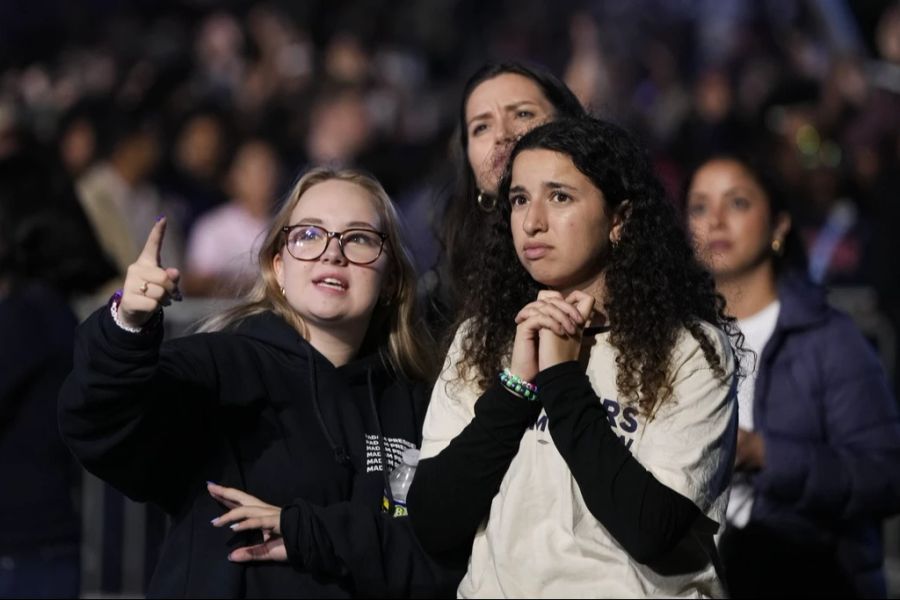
<point x="839" y="344"/>
<point x="701" y="390"/>
<point x="452" y="403"/>
<point x="689" y="354"/>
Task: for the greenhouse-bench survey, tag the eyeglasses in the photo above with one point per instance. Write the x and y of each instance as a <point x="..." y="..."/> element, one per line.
<point x="309" y="242"/>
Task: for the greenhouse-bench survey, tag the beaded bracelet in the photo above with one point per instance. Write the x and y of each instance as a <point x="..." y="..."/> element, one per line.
<point x="518" y="386"/>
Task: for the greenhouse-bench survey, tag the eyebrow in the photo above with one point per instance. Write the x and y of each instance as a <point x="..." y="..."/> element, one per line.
<point x="552" y="185"/>
<point x="350" y="225"/>
<point x="738" y="189"/>
<point x="556" y="185"/>
<point x="507" y="108"/>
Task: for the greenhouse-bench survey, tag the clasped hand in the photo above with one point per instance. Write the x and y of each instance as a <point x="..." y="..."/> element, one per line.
<point x="549" y="332"/>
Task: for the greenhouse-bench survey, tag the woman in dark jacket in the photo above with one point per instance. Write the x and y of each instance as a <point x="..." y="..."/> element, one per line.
<point x="819" y="444"/>
<point x="48" y="254"/>
<point x="304" y="395"/>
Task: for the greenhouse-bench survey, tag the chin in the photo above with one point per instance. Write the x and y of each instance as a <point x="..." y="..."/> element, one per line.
<point x="553" y="281"/>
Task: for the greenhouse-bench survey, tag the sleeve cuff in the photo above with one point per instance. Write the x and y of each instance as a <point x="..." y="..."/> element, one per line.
<point x="561" y="371"/>
<point x="290" y="523"/>
<point x="149" y="335"/>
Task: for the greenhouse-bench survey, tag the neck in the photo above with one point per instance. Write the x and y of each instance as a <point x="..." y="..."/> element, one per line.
<point x="750" y="292"/>
<point x="339" y="346"/>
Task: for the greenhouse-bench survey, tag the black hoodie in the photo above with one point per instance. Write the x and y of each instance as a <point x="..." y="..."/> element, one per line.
<point x="259" y="409"/>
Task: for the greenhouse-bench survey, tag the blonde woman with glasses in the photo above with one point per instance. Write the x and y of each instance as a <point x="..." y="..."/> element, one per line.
<point x="305" y="395"/>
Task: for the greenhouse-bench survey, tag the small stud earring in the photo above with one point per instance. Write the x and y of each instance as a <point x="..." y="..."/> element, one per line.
<point x="776" y="246"/>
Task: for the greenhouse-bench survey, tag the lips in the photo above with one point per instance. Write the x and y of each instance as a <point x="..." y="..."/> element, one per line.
<point x="535" y="251"/>
<point x="719" y="246"/>
<point x="332" y="283"/>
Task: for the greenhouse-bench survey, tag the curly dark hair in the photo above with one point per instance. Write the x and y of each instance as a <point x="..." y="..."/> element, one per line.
<point x="465" y="226"/>
<point x="654" y="285"/>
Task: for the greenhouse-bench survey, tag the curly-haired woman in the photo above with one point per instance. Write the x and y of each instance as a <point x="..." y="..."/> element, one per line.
<point x="598" y="463"/>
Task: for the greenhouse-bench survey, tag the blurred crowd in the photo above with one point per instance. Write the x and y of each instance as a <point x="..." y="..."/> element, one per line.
<point x="206" y="110"/>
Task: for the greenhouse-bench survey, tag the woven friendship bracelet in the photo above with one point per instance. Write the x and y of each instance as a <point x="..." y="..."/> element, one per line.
<point x="518" y="386"/>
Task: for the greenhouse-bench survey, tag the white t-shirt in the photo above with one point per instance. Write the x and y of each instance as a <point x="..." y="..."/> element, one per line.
<point x="757" y="330"/>
<point x="541" y="540"/>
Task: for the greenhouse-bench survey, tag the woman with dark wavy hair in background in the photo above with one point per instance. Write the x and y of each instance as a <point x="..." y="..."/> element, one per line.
<point x="500" y="103"/>
<point x="598" y="462"/>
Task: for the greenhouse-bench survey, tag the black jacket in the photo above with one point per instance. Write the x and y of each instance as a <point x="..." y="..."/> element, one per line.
<point x="259" y="409"/>
<point x="36" y="472"/>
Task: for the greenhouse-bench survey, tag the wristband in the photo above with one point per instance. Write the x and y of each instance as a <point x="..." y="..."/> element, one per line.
<point x="114" y="311"/>
<point x="518" y="386"/>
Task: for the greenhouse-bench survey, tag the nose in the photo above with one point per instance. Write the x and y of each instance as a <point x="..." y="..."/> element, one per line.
<point x="333" y="252"/>
<point x="716" y="218"/>
<point x="506" y="132"/>
<point x="535" y="220"/>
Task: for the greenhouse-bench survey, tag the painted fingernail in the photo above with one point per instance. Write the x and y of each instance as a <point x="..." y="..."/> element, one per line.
<point x="215" y="521"/>
<point x="234" y="527"/>
<point x="176" y="295"/>
<point x="211" y="483"/>
<point x="160" y="218"/>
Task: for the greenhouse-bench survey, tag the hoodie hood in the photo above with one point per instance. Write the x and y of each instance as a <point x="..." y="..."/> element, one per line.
<point x="269" y="328"/>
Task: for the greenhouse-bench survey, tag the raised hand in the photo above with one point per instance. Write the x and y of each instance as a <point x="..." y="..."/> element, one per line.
<point x="248" y="513"/>
<point x="549" y="312"/>
<point x="555" y="347"/>
<point x="148" y="285"/>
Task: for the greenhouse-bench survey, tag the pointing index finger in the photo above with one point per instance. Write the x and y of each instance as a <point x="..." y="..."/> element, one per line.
<point x="150" y="253"/>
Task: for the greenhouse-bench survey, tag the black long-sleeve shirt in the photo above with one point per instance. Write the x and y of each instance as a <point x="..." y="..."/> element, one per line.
<point x="452" y="492"/>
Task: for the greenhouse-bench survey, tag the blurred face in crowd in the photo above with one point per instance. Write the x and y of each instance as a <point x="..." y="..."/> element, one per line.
<point x="330" y="292"/>
<point x="559" y="221"/>
<point x="200" y="146"/>
<point x="730" y="220"/>
<point x="254" y="177"/>
<point x="498" y="112"/>
<point x="340" y="129"/>
<point x="78" y="147"/>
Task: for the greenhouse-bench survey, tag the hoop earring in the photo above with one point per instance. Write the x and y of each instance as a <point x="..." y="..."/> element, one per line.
<point x="485" y="202"/>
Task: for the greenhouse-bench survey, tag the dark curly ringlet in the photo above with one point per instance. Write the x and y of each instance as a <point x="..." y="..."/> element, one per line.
<point x="654" y="285"/>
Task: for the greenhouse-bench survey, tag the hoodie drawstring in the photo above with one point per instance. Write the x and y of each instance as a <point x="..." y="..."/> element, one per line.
<point x="381" y="448"/>
<point x="340" y="454"/>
